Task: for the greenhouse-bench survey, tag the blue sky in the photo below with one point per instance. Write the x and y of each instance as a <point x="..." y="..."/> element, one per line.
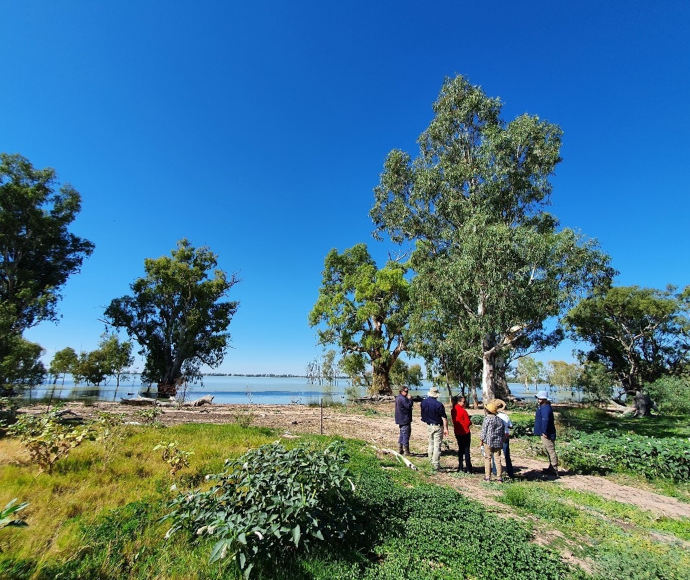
<point x="260" y="129"/>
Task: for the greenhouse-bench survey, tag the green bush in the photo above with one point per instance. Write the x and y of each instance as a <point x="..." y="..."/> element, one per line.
<point x="270" y="503"/>
<point x="615" y="451"/>
<point x="671" y="394"/>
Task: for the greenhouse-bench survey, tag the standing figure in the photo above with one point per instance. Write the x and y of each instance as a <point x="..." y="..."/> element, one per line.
<point x="403" y="418"/>
<point x="508" y="424"/>
<point x="434" y="415"/>
<point x="545" y="427"/>
<point x="492" y="437"/>
<point x="461" y="427"/>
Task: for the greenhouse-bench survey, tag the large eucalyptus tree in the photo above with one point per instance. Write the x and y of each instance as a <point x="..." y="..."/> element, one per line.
<point x="488" y="257"/>
<point x="364" y="310"/>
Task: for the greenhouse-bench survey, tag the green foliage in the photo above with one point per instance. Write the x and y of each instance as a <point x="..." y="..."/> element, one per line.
<point x="638" y="334"/>
<point x="63" y="362"/>
<point x="613" y="450"/>
<point x="110" y="430"/>
<point x="150" y="416"/>
<point x="270" y="503"/>
<point x="492" y="265"/>
<point x="671" y="394"/>
<point x="7" y="514"/>
<point x="176" y="315"/>
<point x="37" y="255"/>
<point x="175" y="457"/>
<point x="522" y="428"/>
<point x="47" y="438"/>
<point x="364" y="310"/>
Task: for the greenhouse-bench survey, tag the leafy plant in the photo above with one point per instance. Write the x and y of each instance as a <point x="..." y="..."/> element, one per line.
<point x="110" y="431"/>
<point x="175" y="457"/>
<point x="613" y="450"/>
<point x="150" y="416"/>
<point x="47" y="438"/>
<point x="8" y="512"/>
<point x="270" y="503"/>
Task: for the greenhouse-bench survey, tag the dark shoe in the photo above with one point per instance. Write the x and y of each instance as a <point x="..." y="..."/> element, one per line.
<point x="406" y="450"/>
<point x="401" y="450"/>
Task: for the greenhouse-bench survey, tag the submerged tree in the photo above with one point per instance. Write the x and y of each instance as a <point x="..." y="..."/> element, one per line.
<point x="638" y="334"/>
<point x="177" y="315"/>
<point x="37" y="255"/>
<point x="364" y="310"/>
<point x="488" y="257"/>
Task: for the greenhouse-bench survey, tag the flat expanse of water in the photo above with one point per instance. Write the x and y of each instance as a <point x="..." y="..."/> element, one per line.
<point x="244" y="390"/>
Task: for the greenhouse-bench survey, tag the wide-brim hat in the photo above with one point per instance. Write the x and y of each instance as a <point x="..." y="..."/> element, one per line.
<point x="433" y="392"/>
<point x="495" y="406"/>
<point x="542" y="395"/>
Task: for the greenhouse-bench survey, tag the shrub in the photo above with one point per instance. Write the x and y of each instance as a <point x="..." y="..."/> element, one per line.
<point x="615" y="451"/>
<point x="671" y="394"/>
<point x="175" y="457"/>
<point x="48" y="439"/>
<point x="270" y="503"/>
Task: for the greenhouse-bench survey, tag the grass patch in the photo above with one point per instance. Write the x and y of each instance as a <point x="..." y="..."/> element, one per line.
<point x="593" y="419"/>
<point x="622" y="540"/>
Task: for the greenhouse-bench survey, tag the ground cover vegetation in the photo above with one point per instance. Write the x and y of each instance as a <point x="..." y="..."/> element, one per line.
<point x="316" y="507"/>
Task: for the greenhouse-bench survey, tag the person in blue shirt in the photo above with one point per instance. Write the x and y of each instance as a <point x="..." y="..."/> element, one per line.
<point x="403" y="418"/>
<point x="545" y="427"/>
<point x="434" y="415"/>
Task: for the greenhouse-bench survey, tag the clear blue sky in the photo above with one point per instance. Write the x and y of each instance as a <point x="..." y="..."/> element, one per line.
<point x="259" y="129"/>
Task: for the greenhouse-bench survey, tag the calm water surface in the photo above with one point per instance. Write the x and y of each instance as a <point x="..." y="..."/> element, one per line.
<point x="244" y="390"/>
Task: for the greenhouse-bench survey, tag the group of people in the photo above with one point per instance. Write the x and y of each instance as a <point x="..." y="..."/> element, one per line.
<point x="494" y="437"/>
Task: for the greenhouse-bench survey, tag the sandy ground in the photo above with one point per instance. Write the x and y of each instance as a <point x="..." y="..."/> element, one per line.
<point x="374" y="424"/>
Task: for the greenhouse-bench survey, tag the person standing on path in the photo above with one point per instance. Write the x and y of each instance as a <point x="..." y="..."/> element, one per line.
<point x="508" y="424"/>
<point x="434" y="415"/>
<point x="491" y="439"/>
<point x="461" y="427"/>
<point x="544" y="426"/>
<point x="403" y="418"/>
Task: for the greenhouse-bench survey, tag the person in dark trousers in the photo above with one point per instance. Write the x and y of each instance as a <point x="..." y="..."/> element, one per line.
<point x="403" y="418"/>
<point x="434" y="415"/>
<point x="461" y="427"/>
<point x="545" y="427"/>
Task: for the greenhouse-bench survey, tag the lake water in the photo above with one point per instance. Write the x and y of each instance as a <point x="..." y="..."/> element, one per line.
<point x="245" y="390"/>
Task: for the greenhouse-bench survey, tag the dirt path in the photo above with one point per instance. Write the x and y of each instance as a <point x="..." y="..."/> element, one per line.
<point x="374" y="424"/>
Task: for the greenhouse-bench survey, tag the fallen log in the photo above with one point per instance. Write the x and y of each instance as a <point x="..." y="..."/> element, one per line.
<point x="140" y="401"/>
<point x="397" y="455"/>
<point x="205" y="400"/>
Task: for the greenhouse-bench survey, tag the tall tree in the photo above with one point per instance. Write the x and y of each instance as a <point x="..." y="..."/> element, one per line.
<point x="530" y="370"/>
<point x="638" y="334"/>
<point x="364" y="310"/>
<point x="487" y="255"/>
<point x="37" y="252"/>
<point x="63" y="362"/>
<point x="177" y="315"/>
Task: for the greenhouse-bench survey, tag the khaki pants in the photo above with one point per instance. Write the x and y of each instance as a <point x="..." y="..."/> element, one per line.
<point x="435" y="438"/>
<point x="494" y="452"/>
<point x="550" y="448"/>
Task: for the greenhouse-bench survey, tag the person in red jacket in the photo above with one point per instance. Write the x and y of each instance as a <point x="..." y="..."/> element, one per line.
<point x="461" y="426"/>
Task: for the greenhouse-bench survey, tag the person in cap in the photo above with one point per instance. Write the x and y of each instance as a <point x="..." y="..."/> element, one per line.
<point x="403" y="418"/>
<point x="491" y="439"/>
<point x="434" y="415"/>
<point x="461" y="427"/>
<point x="545" y="427"/>
<point x="508" y="424"/>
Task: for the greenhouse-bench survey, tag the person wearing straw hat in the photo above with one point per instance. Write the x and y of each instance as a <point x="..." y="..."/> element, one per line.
<point x="545" y="427"/>
<point x="491" y="439"/>
<point x="508" y="424"/>
<point x="434" y="415"/>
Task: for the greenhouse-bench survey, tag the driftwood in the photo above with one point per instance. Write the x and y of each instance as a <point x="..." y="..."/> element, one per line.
<point x="140" y="401"/>
<point x="397" y="455"/>
<point x="374" y="399"/>
<point x="143" y="401"/>
<point x="205" y="400"/>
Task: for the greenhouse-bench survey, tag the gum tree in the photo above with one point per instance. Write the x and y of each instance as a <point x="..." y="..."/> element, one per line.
<point x="363" y="310"/>
<point x="177" y="314"/>
<point x="488" y="257"/>
<point x="638" y="334"/>
<point x="37" y="255"/>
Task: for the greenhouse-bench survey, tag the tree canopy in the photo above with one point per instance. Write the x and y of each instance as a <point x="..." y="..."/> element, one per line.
<point x="637" y="334"/>
<point x="37" y="252"/>
<point x="491" y="263"/>
<point x="177" y="315"/>
<point x="364" y="310"/>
